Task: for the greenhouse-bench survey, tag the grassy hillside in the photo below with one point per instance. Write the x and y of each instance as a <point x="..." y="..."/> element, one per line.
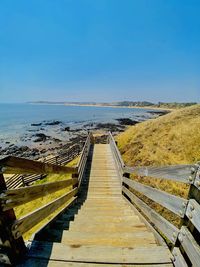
<point x="170" y="139"/>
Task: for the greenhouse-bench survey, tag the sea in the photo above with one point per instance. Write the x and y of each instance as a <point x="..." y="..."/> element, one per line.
<point x="16" y="119"/>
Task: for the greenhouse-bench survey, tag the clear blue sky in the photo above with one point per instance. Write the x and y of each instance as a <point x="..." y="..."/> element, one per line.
<point x="99" y="50"/>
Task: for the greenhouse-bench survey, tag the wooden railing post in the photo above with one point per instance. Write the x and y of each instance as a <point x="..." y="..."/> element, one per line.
<point x="11" y="250"/>
<point x="126" y="175"/>
<point x="23" y="182"/>
<point x="188" y="238"/>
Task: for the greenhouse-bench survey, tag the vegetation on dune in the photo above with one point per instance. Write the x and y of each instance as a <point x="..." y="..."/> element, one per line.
<point x="174" y="105"/>
<point x="164" y="105"/>
<point x="170" y="139"/>
<point x="33" y="205"/>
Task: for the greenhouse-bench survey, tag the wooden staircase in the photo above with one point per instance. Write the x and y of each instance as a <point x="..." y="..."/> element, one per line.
<point x="101" y="228"/>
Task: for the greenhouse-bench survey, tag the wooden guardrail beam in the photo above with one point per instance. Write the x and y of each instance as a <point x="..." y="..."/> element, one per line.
<point x="174" y="203"/>
<point x="168" y="229"/>
<point x="116" y="151"/>
<point x="25" y="223"/>
<point x="16" y="197"/>
<point x="83" y="158"/>
<point x="16" y="165"/>
<point x="178" y="173"/>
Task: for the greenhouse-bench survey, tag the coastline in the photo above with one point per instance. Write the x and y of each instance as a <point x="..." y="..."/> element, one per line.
<point x="48" y="137"/>
<point x="110" y="106"/>
<point x="105" y="106"/>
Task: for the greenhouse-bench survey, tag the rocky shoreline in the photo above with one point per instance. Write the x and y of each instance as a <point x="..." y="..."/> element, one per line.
<point x="38" y="141"/>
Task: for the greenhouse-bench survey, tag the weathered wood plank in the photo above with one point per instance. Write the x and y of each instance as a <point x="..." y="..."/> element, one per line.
<point x="100" y="254"/>
<point x="171" y="202"/>
<point x="16" y="165"/>
<point x="15" y="197"/>
<point x="193" y="213"/>
<point x="25" y="223"/>
<point x="111" y="227"/>
<point x="190" y="246"/>
<point x="56" y="263"/>
<point x="179" y="173"/>
<point x="62" y="159"/>
<point x="106" y="219"/>
<point x="168" y="229"/>
<point x="178" y="259"/>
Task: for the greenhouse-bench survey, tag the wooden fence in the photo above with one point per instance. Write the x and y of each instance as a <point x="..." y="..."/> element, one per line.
<point x="62" y="158"/>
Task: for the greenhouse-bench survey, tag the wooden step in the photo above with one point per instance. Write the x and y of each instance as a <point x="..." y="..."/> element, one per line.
<point x="106" y="218"/>
<point x="108" y="239"/>
<point x="56" y="263"/>
<point x="105" y="212"/>
<point x="99" y="182"/>
<point x="106" y="209"/>
<point x="109" y="181"/>
<point x="59" y="253"/>
<point x="96" y="205"/>
<point x="111" y="227"/>
<point x="103" y="195"/>
<point x="100" y="175"/>
<point x="96" y="188"/>
<point x="102" y="187"/>
<point x="108" y="188"/>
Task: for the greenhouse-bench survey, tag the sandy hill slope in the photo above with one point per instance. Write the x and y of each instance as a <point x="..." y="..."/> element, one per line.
<point x="170" y="139"/>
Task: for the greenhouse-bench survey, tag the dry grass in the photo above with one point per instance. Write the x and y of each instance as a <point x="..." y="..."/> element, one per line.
<point x="33" y="205"/>
<point x="170" y="139"/>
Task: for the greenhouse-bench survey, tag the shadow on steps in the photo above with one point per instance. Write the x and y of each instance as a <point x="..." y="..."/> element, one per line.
<point x="54" y="230"/>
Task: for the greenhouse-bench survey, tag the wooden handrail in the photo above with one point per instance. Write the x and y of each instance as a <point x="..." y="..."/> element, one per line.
<point x="186" y="247"/>
<point x="83" y="159"/>
<point x="16" y="197"/>
<point x="161" y="224"/>
<point x="63" y="158"/>
<point x="175" y="204"/>
<point x="24" y="224"/>
<point x="179" y="173"/>
<point x="85" y="148"/>
<point x="115" y="149"/>
<point x="16" y="165"/>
